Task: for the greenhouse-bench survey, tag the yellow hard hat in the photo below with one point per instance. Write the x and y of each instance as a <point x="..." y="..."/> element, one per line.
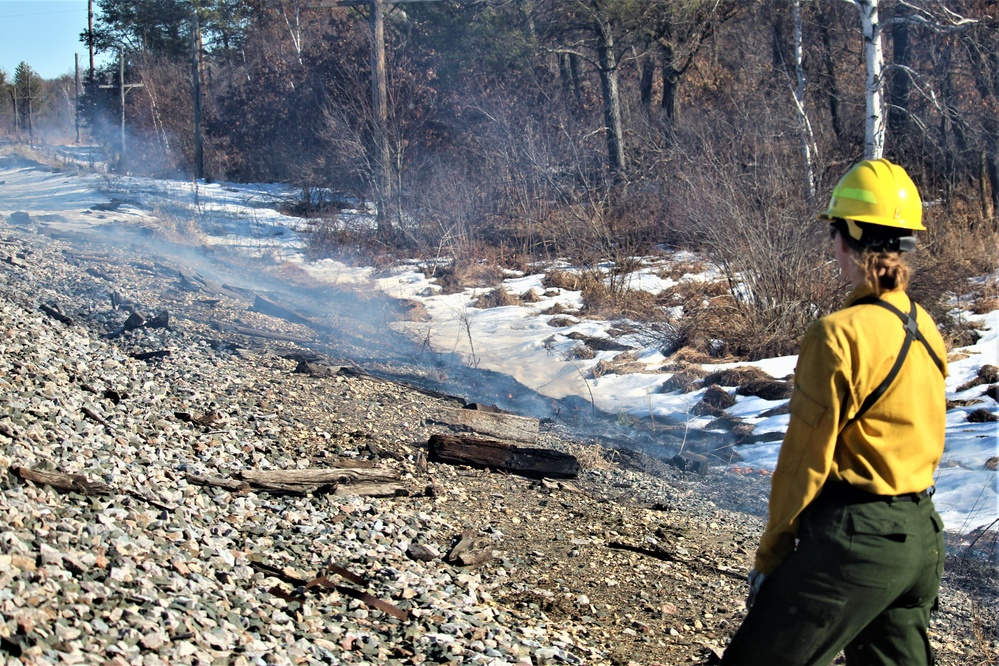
<point x="877" y="192"/>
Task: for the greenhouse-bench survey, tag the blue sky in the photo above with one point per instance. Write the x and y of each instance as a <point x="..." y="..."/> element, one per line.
<point x="43" y="33"/>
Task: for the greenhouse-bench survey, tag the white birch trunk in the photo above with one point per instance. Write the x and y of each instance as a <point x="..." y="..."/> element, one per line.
<point x="874" y="129"/>
<point x="294" y="31"/>
<point x="807" y="139"/>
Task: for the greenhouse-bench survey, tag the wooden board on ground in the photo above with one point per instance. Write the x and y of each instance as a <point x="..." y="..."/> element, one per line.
<point x="270" y="308"/>
<point x="504" y="426"/>
<point x="345" y="480"/>
<point x="535" y="463"/>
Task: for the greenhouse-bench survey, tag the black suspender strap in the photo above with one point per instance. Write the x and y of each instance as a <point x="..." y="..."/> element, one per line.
<point x="911" y="333"/>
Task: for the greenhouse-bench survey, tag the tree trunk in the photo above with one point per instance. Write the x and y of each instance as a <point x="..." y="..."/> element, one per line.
<point x="671" y="84"/>
<point x="612" y="101"/>
<point x="992" y="169"/>
<point x="805" y="126"/>
<point x="199" y="163"/>
<point x="874" y="126"/>
<point x="831" y="86"/>
<point x="901" y="84"/>
<point x="646" y="65"/>
<point x="379" y="98"/>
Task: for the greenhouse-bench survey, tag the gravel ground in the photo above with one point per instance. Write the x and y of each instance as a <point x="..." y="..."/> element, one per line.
<point x="632" y="562"/>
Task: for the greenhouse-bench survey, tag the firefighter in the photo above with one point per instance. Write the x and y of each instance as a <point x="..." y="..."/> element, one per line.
<point x="853" y="550"/>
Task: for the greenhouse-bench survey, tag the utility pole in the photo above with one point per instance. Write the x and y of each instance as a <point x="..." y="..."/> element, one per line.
<point x="379" y="102"/>
<point x="122" y="89"/>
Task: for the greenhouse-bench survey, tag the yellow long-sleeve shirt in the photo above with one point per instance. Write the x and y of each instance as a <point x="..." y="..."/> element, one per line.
<point x="893" y="449"/>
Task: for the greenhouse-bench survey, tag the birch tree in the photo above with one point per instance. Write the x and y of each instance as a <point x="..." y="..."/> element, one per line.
<point x="874" y="123"/>
<point x="808" y="148"/>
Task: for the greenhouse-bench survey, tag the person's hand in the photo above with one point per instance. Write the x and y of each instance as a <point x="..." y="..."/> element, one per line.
<point x="755" y="581"/>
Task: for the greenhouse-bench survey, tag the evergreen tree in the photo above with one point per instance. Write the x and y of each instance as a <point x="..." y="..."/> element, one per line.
<point x="27" y="97"/>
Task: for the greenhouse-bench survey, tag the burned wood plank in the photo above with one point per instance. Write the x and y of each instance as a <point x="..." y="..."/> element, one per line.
<point x="530" y="462"/>
<point x="314" y="369"/>
<point x="196" y="282"/>
<point x="359" y="480"/>
<point x="16" y="261"/>
<point x="217" y="482"/>
<point x="268" y="307"/>
<point x="134" y="321"/>
<point x="160" y="320"/>
<point x="690" y="462"/>
<point x="321" y="476"/>
<point x="149" y="356"/>
<point x="191" y="281"/>
<point x="497" y="424"/>
<point x="55" y="314"/>
<point x="76" y="483"/>
<point x="364" y="489"/>
<point x="257" y="333"/>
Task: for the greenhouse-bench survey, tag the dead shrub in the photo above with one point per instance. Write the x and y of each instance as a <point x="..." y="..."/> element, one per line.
<point x="583" y="353"/>
<point x="767" y="389"/>
<point x="688" y="358"/>
<point x="408" y="310"/>
<point x="987" y="374"/>
<point x="992" y="464"/>
<point x="455" y="277"/>
<point x="985" y="305"/>
<point x="714" y="403"/>
<point x="777" y="411"/>
<point x="599" y="344"/>
<point x="602" y="367"/>
<point x="562" y="322"/>
<point x="557" y="309"/>
<point x="953" y="256"/>
<point x="498" y="297"/>
<point x="683" y="381"/>
<point x="982" y="416"/>
<point x="750" y="380"/>
<point x="530" y="296"/>
<point x="993" y="392"/>
<point x="563" y="280"/>
<point x="737" y="376"/>
<point x="954" y="404"/>
<point x="607" y="297"/>
<point x="622" y="364"/>
<point x="679" y="270"/>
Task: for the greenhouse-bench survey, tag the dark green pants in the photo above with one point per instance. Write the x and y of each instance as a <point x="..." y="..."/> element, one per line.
<point x="863" y="579"/>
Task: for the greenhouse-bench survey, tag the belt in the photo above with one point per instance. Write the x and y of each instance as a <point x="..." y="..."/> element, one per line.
<point x="844" y="492"/>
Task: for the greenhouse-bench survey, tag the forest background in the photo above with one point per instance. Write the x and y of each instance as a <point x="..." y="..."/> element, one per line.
<point x="514" y="133"/>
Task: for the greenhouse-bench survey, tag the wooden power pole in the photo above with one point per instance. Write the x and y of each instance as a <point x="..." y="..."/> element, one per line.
<point x="122" y="90"/>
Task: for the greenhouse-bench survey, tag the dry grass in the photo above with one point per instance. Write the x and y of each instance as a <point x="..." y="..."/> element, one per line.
<point x="955" y="254"/>
<point x="563" y="280"/>
<point x="593" y="456"/>
<point x="498" y="297"/>
<point x="558" y="309"/>
<point x="678" y="270"/>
